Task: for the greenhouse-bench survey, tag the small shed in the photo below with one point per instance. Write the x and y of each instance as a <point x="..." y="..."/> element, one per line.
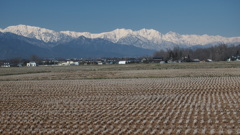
<point x="196" y="60"/>
<point x="209" y="60"/>
<point x="157" y="59"/>
<point x="31" y="64"/>
<point x="99" y="62"/>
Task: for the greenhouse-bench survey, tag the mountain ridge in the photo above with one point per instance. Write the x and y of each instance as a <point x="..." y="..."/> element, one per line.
<point x="143" y="38"/>
<point x="15" y="46"/>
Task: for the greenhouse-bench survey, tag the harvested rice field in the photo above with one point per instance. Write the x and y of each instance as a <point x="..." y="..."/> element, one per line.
<point x="129" y="101"/>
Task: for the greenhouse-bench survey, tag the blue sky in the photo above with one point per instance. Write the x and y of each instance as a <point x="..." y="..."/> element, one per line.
<point x="213" y="17"/>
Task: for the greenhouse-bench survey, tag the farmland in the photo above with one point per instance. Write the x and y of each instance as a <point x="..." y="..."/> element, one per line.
<point x="195" y="98"/>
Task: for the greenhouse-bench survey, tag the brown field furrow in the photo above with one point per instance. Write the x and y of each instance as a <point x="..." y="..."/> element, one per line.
<point x="164" y="73"/>
<point x="179" y="105"/>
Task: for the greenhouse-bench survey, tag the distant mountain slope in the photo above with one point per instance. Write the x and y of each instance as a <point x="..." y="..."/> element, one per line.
<point x="12" y="46"/>
<point x="88" y="48"/>
<point x="144" y="38"/>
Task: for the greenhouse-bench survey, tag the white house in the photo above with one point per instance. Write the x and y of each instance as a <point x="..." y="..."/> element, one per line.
<point x="122" y="62"/>
<point x="68" y="63"/>
<point x="6" y="64"/>
<point x="99" y="62"/>
<point x="76" y="63"/>
<point x="209" y="60"/>
<point x="31" y="64"/>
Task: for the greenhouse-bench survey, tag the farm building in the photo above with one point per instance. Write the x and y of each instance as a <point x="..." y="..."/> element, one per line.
<point x="19" y="64"/>
<point x="122" y="62"/>
<point x="133" y="60"/>
<point x="68" y="63"/>
<point x="31" y="64"/>
<point x="6" y="64"/>
<point x="209" y="60"/>
<point x="196" y="60"/>
<point x="235" y="57"/>
<point x="99" y="62"/>
<point x="157" y="59"/>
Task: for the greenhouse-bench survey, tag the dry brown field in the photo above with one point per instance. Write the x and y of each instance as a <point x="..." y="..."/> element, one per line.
<point x="131" y="99"/>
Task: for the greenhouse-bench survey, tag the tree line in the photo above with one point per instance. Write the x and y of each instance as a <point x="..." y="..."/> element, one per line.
<point x="220" y="52"/>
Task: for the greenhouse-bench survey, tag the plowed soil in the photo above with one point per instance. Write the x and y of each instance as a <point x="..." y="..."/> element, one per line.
<point x="166" y="101"/>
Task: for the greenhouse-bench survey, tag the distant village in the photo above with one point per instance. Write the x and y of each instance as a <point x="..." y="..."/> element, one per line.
<point x="177" y="55"/>
<point x="100" y="61"/>
<point x="78" y="62"/>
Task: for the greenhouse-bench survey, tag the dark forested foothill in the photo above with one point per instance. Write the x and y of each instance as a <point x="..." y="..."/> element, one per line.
<point x="217" y="53"/>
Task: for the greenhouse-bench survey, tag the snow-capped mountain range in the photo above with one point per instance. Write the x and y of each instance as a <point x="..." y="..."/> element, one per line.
<point x="144" y="38"/>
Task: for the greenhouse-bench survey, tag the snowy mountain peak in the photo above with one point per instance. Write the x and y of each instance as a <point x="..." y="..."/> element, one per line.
<point x="26" y="29"/>
<point x="43" y="34"/>
<point x="172" y="36"/>
<point x="76" y="34"/>
<point x="143" y="38"/>
<point x="148" y="31"/>
<point x="122" y="30"/>
<point x="115" y="35"/>
<point x="150" y="34"/>
<point x="172" y="33"/>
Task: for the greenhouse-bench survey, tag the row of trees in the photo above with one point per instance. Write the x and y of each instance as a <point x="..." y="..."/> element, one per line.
<point x="217" y="53"/>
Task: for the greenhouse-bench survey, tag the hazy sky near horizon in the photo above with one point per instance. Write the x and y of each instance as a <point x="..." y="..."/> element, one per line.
<point x="212" y="17"/>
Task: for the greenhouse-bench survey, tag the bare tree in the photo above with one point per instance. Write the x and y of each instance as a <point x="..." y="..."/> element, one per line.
<point x="218" y="53"/>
